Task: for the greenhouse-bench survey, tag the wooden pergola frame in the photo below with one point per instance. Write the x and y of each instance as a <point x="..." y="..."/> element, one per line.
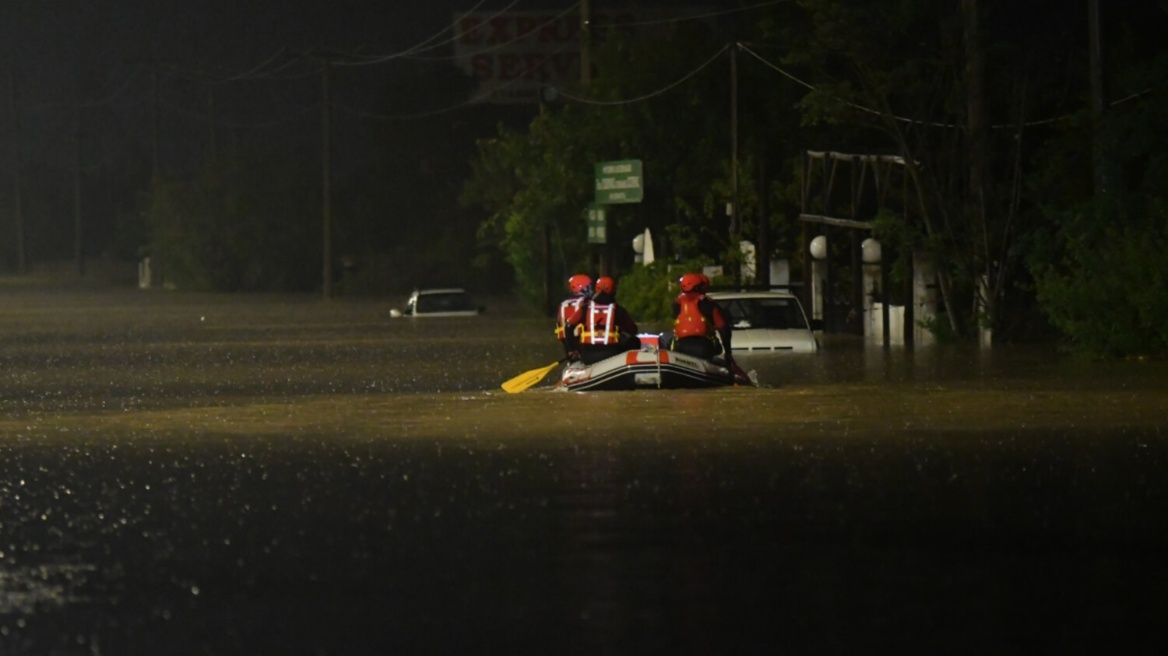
<point x="860" y="167"/>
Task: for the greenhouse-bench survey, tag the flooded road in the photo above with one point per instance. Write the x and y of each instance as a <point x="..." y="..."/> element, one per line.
<point x="184" y="474"/>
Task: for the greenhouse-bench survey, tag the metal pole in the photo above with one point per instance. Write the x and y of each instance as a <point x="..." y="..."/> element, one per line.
<point x="595" y="251"/>
<point x="1098" y="95"/>
<point x="734" y="147"/>
<point x="211" y="121"/>
<point x="585" y="43"/>
<point x="885" y="296"/>
<point x="911" y="301"/>
<point x="326" y="182"/>
<point x="17" y="182"/>
<point x="78" y="255"/>
<point x="155" y="164"/>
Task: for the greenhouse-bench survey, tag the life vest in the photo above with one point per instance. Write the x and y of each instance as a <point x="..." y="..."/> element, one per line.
<point x="567" y="307"/>
<point x="691" y="321"/>
<point x="599" y="326"/>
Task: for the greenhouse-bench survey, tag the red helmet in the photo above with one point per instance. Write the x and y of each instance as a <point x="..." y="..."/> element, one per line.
<point x="579" y="283"/>
<point x="605" y="285"/>
<point x="694" y="282"/>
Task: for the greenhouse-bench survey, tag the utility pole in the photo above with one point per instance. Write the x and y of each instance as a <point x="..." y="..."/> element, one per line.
<point x="1098" y="96"/>
<point x="17" y="182"/>
<point x="585" y="43"/>
<point x="762" y="257"/>
<point x="974" y="103"/>
<point x="326" y="178"/>
<point x="78" y="231"/>
<point x="155" y="114"/>
<point x="597" y="253"/>
<point x="211" y="120"/>
<point x="975" y="133"/>
<point x="154" y="120"/>
<point x="734" y="152"/>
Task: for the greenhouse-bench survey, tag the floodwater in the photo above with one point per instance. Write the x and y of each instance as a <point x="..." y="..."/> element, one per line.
<point x="184" y="474"/>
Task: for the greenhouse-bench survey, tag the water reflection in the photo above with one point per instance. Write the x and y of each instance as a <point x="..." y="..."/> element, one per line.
<point x="46" y="586"/>
<point x="229" y="477"/>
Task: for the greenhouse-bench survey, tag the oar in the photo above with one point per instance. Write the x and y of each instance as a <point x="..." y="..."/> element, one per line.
<point x="735" y="370"/>
<point x="740" y="375"/>
<point x="529" y="378"/>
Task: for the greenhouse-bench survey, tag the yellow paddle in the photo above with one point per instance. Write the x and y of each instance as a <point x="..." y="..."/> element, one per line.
<point x="528" y="378"/>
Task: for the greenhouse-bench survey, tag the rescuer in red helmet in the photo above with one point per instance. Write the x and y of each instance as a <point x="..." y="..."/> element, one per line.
<point x="580" y="286"/>
<point x="699" y="324"/>
<point x="599" y="327"/>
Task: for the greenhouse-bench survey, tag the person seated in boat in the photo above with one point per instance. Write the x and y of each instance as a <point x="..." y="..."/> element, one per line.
<point x="600" y="328"/>
<point x="701" y="327"/>
<point x="580" y="286"/>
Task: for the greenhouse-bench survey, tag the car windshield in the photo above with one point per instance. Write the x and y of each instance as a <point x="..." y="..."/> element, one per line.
<point x="773" y="313"/>
<point x="444" y="302"/>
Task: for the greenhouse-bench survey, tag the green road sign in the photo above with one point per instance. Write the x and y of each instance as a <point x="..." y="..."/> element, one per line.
<point x="619" y="182"/>
<point x="596" y="225"/>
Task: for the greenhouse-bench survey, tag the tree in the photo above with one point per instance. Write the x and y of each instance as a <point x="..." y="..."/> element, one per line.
<point x="533" y="185"/>
<point x="240" y="224"/>
<point x="399" y="224"/>
<point x="975" y="97"/>
<point x="536" y="183"/>
<point x="950" y="89"/>
<point x="1099" y="265"/>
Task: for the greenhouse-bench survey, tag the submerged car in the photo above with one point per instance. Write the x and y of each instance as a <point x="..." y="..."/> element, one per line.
<point x="447" y="302"/>
<point x="767" y="321"/>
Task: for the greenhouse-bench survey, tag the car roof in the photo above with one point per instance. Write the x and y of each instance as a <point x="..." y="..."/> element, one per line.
<point x="730" y="295"/>
<point x="444" y="290"/>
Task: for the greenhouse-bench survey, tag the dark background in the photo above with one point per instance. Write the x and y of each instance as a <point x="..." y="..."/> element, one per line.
<point x="109" y="94"/>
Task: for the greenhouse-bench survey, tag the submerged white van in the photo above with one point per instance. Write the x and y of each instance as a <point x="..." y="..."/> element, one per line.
<point x="449" y="302"/>
<point x="767" y="321"/>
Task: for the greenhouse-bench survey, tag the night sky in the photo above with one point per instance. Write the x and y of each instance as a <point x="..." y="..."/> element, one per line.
<point x="110" y="91"/>
<point x="105" y="54"/>
<point x="243" y="58"/>
<point x="100" y="69"/>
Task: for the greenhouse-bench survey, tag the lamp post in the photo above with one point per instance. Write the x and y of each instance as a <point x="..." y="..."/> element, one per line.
<point x="871" y="255"/>
<point x="818" y="276"/>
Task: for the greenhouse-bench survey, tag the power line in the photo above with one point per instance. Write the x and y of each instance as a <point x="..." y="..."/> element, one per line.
<point x="255" y="71"/>
<point x="426" y="44"/>
<point x="263" y="71"/>
<point x="475" y="99"/>
<point x="204" y="118"/>
<point x="504" y="44"/>
<point x="652" y="94"/>
<point x="853" y="105"/>
<point x="690" y="17"/>
<point x="903" y="119"/>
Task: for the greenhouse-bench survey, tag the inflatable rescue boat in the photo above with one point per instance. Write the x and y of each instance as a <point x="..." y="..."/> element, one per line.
<point x="649" y="368"/>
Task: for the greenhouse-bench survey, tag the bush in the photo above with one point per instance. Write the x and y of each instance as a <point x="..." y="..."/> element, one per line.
<point x="646" y="294"/>
<point x="1107" y="291"/>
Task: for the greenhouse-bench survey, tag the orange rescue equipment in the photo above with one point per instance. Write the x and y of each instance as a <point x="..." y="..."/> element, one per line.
<point x="691" y="321"/>
<point x="567" y="307"/>
<point x="599" y="328"/>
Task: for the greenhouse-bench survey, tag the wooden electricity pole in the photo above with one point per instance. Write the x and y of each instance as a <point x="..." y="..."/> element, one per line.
<point x="17" y="182"/>
<point x="155" y="122"/>
<point x="78" y="229"/>
<point x="1098" y="97"/>
<point x="585" y="43"/>
<point x="326" y="180"/>
<point x="734" y="225"/>
<point x="976" y="134"/>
